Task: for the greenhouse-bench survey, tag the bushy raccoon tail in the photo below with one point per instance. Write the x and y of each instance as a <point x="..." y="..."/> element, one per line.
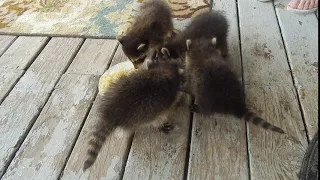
<point x="250" y="116"/>
<point x="96" y="142"/>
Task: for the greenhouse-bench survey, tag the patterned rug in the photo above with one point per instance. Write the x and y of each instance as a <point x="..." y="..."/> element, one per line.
<point x="83" y="18"/>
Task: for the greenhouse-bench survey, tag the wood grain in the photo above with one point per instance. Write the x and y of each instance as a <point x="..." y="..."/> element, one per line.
<point x="218" y="145"/>
<point x="264" y="58"/>
<point x="93" y="57"/>
<point x="5" y="42"/>
<point x="8" y="79"/>
<point x="113" y="156"/>
<point x="270" y="92"/>
<point x="155" y="155"/>
<point x="45" y="149"/>
<point x="22" y="52"/>
<point x="111" y="160"/>
<point x="20" y="109"/>
<point x="300" y="34"/>
<point x="119" y="56"/>
<point x="272" y="155"/>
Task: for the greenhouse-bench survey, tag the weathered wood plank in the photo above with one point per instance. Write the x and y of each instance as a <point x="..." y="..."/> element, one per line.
<point x="5" y="42"/>
<point x="119" y="56"/>
<point x="21" y="107"/>
<point x="45" y="149"/>
<point x="300" y="34"/>
<point x="155" y="155"/>
<point x="93" y="57"/>
<point x="8" y="79"/>
<point x="111" y="160"/>
<point x="270" y="92"/>
<point x="22" y="52"/>
<point x="218" y="145"/>
<point x="264" y="58"/>
<point x="272" y="155"/>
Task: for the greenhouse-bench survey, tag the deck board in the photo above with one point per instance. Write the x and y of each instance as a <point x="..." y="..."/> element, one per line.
<point x="45" y="150"/>
<point x="16" y="59"/>
<point x="5" y="42"/>
<point x="93" y="57"/>
<point x="48" y="85"/>
<point x="217" y="138"/>
<point x="300" y="34"/>
<point x="155" y="155"/>
<point x="8" y="78"/>
<point x="112" y="158"/>
<point x="19" y="110"/>
<point x="272" y="155"/>
<point x="264" y="58"/>
<point x="270" y="92"/>
<point x="22" y="52"/>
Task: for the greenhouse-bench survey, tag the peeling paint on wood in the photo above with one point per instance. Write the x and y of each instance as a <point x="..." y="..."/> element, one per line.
<point x="8" y="79"/>
<point x="45" y="149"/>
<point x="113" y="155"/>
<point x="22" y="52"/>
<point x="93" y="57"/>
<point x="111" y="159"/>
<point x="19" y="110"/>
<point x="5" y="42"/>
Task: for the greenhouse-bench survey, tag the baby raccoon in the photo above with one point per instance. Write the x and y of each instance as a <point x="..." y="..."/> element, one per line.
<point x="151" y="27"/>
<point x="205" y="25"/>
<point x="215" y="86"/>
<point x="135" y="100"/>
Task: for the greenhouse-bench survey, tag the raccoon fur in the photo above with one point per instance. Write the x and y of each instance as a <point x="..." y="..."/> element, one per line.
<point x="205" y="25"/>
<point x="151" y="27"/>
<point x="135" y="100"/>
<point x="215" y="87"/>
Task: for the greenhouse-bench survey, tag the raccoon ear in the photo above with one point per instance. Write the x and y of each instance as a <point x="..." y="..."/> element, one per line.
<point x="214" y="41"/>
<point x="165" y="51"/>
<point x="181" y="71"/>
<point x="120" y="39"/>
<point x="149" y="63"/>
<point x="188" y="43"/>
<point x="141" y="46"/>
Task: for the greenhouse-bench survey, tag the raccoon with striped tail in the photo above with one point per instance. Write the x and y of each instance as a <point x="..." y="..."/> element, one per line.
<point x="215" y="87"/>
<point x="139" y="99"/>
<point x="150" y="28"/>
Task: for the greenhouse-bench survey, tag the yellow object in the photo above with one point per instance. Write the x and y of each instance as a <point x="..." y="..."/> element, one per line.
<point x="113" y="74"/>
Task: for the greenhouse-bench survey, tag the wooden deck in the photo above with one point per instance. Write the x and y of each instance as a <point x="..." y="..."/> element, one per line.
<point x="48" y="90"/>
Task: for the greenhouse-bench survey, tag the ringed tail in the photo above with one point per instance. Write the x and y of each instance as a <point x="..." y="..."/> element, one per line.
<point x="96" y="142"/>
<point x="258" y="121"/>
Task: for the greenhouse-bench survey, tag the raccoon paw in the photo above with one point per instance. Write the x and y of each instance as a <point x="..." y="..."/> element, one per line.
<point x="194" y="108"/>
<point x="224" y="54"/>
<point x="166" y="128"/>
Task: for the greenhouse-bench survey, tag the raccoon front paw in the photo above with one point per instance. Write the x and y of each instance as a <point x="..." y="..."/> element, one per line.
<point x="224" y="54"/>
<point x="166" y="128"/>
<point x="194" y="108"/>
